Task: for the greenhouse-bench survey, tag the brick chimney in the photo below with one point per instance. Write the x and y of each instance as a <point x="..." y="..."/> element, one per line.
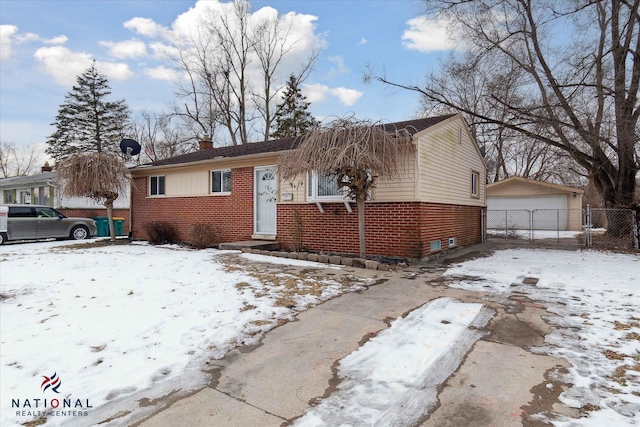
<point x="205" y="143"/>
<point x="46" y="168"/>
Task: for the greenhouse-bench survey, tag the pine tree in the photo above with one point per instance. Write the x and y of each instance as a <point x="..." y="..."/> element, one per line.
<point x="86" y="121"/>
<point x="292" y="117"/>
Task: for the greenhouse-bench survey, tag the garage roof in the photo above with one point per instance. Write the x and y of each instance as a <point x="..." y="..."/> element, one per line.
<point x="515" y="180"/>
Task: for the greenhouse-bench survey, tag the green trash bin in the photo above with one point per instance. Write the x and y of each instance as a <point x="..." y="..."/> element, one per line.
<point x="102" y="222"/>
<point x="118" y="225"/>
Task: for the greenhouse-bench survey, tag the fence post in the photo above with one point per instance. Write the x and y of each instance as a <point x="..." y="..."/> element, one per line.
<point x="506" y="224"/>
<point x="635" y="230"/>
<point x="587" y="226"/>
<point x="558" y="225"/>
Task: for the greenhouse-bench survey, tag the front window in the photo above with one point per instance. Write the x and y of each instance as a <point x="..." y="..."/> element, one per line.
<point x="325" y="187"/>
<point x="156" y="185"/>
<point x="221" y="181"/>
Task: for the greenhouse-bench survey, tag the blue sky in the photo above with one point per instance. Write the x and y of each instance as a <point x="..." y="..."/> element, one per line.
<point x="47" y="43"/>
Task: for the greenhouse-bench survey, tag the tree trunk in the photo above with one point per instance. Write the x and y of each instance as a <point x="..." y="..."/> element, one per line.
<point x="112" y="231"/>
<point x="360" y="204"/>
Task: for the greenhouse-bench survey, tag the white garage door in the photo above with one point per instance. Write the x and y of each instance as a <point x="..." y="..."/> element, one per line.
<point x="551" y="212"/>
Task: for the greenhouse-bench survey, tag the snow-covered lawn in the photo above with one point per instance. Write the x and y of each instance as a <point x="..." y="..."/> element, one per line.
<point x="112" y="322"/>
<point x="103" y="324"/>
<point x="596" y="297"/>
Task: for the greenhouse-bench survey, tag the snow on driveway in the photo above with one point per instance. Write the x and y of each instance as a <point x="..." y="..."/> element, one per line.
<point x="596" y="297"/>
<point x="84" y="326"/>
<point x="392" y="379"/>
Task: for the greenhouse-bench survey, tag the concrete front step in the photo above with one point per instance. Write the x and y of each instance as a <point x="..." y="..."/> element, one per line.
<point x="252" y="244"/>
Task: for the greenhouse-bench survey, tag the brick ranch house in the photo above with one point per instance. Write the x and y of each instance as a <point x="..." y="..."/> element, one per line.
<point x="435" y="205"/>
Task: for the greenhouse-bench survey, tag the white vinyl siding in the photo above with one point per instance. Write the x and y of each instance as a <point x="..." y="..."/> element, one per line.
<point x="401" y="188"/>
<point x="445" y="158"/>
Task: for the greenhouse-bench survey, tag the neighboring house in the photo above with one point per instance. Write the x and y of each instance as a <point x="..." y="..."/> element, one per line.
<point x="435" y="205"/>
<point x="557" y="206"/>
<point x="39" y="189"/>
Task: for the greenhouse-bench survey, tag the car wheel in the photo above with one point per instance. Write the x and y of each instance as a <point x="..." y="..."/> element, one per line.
<point x="3" y="238"/>
<point x="79" y="233"/>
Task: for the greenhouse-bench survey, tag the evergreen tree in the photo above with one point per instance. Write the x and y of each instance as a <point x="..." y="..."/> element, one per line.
<point x="292" y="117"/>
<point x="86" y="121"/>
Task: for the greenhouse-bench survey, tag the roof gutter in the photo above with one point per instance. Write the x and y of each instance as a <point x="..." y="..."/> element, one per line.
<point x="139" y="170"/>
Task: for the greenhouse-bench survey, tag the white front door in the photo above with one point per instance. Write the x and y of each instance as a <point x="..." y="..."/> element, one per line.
<point x="265" y="195"/>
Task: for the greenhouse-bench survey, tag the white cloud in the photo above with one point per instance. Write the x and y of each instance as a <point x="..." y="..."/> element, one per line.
<point x="145" y="26"/>
<point x="27" y="37"/>
<point x="61" y="39"/>
<point x="6" y="33"/>
<point x="162" y="73"/>
<point x="126" y="49"/>
<point x="317" y="93"/>
<point x="65" y="65"/>
<point x="347" y="96"/>
<point x="340" y="66"/>
<point x="362" y="41"/>
<point x="9" y="37"/>
<point x="427" y="35"/>
<point x="164" y="51"/>
<point x="301" y="36"/>
<point x="114" y="70"/>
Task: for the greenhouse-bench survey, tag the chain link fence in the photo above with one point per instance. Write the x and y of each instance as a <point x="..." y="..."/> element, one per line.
<point x="611" y="228"/>
<point x="602" y="228"/>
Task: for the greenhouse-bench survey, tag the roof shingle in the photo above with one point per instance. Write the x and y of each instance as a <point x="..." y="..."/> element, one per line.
<point x="284" y="144"/>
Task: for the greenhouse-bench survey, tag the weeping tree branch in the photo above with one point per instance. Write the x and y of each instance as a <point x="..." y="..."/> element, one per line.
<point x="98" y="176"/>
<point x="354" y="152"/>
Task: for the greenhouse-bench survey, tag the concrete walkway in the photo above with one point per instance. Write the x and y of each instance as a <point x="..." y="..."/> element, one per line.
<point x="276" y="382"/>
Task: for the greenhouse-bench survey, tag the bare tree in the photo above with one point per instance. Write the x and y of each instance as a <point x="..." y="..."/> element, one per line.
<point x="99" y="176"/>
<point x="272" y="43"/>
<point x="196" y="106"/>
<point x="233" y="64"/>
<point x="159" y="139"/>
<point x="577" y="94"/>
<point x="354" y="152"/>
<point x="507" y="152"/>
<point x="18" y="161"/>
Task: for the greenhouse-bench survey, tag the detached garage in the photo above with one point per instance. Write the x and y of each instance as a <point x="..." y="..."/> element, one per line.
<point x="557" y="206"/>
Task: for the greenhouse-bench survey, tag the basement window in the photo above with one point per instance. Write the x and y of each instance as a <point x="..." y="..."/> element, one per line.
<point x="435" y="245"/>
<point x="156" y="185"/>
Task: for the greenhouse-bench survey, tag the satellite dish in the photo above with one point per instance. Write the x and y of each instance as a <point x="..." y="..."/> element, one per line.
<point x="130" y="147"/>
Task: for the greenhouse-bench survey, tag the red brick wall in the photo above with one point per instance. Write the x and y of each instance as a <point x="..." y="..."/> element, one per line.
<point x="231" y="216"/>
<point x="91" y="213"/>
<point x="391" y="229"/>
